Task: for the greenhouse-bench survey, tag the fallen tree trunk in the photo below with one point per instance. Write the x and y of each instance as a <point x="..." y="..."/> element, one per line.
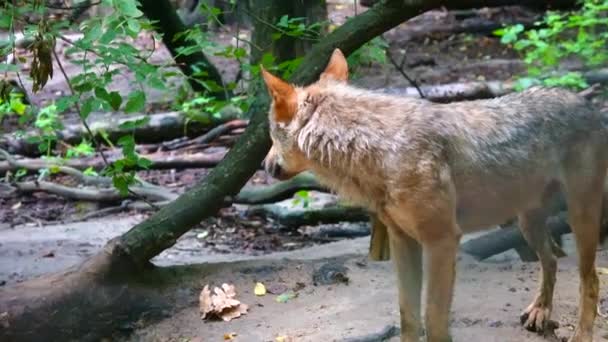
<point x="479" y="90"/>
<point x="505" y="239"/>
<point x="160" y="127"/>
<point x="278" y="191"/>
<point x="58" y="306"/>
<point x="310" y="217"/>
<point x="160" y="161"/>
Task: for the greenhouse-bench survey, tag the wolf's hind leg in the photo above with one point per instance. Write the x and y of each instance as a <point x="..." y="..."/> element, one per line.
<point x="532" y="224"/>
<point x="584" y="172"/>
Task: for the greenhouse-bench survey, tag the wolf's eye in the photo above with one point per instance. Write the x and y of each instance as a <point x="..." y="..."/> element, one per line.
<point x="307" y="100"/>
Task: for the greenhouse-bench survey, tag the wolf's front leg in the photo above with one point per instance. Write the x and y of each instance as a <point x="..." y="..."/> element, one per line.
<point x="407" y="258"/>
<point x="441" y="270"/>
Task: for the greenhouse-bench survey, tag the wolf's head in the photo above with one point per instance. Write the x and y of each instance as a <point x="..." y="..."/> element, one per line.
<point x="289" y="102"/>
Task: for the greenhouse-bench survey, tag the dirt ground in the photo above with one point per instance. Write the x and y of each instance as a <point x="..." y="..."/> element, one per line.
<point x="488" y="296"/>
<point x="488" y="301"/>
<point x="40" y="234"/>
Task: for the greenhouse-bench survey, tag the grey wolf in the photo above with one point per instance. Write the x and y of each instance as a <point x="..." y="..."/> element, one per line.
<point x="432" y="172"/>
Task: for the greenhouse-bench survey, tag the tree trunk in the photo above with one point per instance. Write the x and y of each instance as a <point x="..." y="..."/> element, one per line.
<point x="169" y="24"/>
<point x="57" y="306"/>
<point x="315" y="11"/>
<point x="266" y="14"/>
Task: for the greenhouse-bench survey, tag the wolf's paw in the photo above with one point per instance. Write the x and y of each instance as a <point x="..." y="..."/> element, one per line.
<point x="536" y="318"/>
<point x="581" y="336"/>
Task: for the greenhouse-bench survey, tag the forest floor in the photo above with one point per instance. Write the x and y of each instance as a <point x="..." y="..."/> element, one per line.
<point x="43" y="233"/>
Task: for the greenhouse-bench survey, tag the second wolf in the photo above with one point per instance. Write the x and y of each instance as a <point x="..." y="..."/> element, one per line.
<point x="432" y="172"/>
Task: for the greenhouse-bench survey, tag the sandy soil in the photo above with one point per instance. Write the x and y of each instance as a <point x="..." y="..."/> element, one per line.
<point x="488" y="299"/>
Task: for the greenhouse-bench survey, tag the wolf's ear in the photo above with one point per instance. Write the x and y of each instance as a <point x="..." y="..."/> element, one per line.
<point x="283" y="95"/>
<point x="337" y="68"/>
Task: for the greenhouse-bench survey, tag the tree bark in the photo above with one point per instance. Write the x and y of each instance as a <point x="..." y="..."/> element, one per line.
<point x="170" y="26"/>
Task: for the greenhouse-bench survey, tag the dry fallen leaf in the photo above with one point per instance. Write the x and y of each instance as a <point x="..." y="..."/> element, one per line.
<point x="260" y="289"/>
<point x="221" y="304"/>
<point x="602" y="270"/>
<point x="229" y="336"/>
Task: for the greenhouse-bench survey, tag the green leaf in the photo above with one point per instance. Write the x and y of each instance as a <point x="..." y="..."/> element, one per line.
<point x="89" y="171"/>
<point x="64" y="103"/>
<point x="285" y="297"/>
<point x="112" y="98"/>
<point x="4" y="67"/>
<point x="17" y="106"/>
<point x="133" y="25"/>
<point x="93" y="32"/>
<point x="127" y="8"/>
<point x="89" y="105"/>
<point x="283" y="21"/>
<point x="135" y="102"/>
<point x="85" y="148"/>
<point x="144" y="163"/>
<point x="133" y="124"/>
<point x="54" y="169"/>
<point x="6" y="20"/>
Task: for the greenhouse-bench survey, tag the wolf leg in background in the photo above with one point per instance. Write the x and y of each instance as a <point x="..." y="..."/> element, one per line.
<point x="533" y="228"/>
<point x="407" y="258"/>
<point x="433" y="172"/>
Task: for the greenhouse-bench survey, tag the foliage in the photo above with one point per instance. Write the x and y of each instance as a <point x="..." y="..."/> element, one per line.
<point x="303" y="197"/>
<point x="580" y="34"/>
<point x="373" y="51"/>
<point x="106" y="49"/>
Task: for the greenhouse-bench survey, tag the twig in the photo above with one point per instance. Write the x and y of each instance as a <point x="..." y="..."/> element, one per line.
<point x="159" y="162"/>
<point x="209" y="136"/>
<point x="400" y="67"/>
<point x="591" y="91"/>
<point x="88" y="180"/>
<point x="94" y="194"/>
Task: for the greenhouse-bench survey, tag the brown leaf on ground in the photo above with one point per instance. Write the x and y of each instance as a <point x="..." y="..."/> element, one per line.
<point x="221" y="304"/>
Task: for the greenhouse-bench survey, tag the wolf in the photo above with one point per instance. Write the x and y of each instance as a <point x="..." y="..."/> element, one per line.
<point x="433" y="172"/>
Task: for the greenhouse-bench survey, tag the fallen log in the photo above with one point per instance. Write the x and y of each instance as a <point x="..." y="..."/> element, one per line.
<point x="453" y="92"/>
<point x="94" y="194"/>
<point x="507" y="238"/>
<point x="278" y="191"/>
<point x="160" y="127"/>
<point x="310" y="217"/>
<point x="160" y="161"/>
